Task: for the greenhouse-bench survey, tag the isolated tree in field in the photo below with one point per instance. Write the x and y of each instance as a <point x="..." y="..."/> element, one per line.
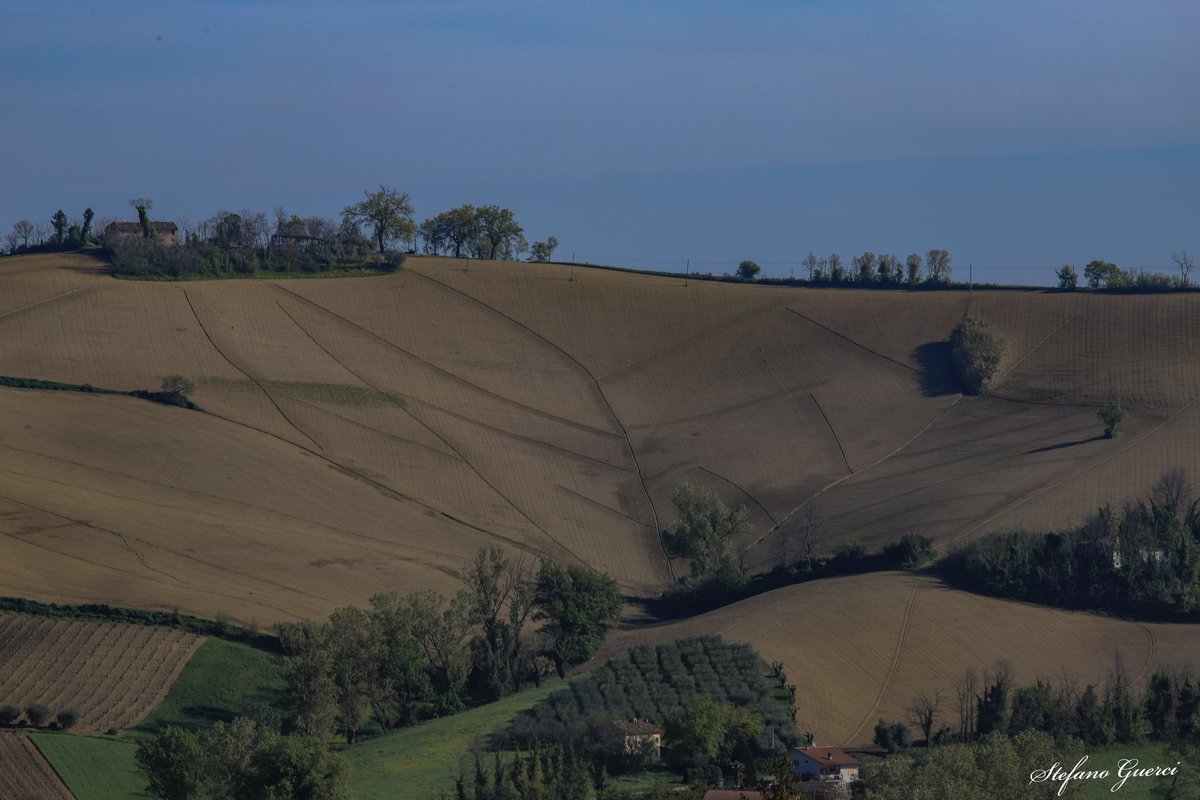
<point x="864" y="267"/>
<point x="1068" y="277"/>
<point x="499" y="234"/>
<point x="912" y="267"/>
<point x="812" y="264"/>
<point x="706" y="533"/>
<point x="59" y="222"/>
<point x="975" y="351"/>
<point x="176" y="389"/>
<point x="543" y="251"/>
<point x="576" y="605"/>
<point x="748" y="270"/>
<point x="937" y="266"/>
<point x="143" y="206"/>
<point x="388" y="214"/>
<point x="1112" y="415"/>
<point x="9" y="714"/>
<point x="1185" y="264"/>
<point x="24" y="230"/>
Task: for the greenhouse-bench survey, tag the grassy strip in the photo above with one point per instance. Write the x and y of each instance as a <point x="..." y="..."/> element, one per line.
<point x="222" y="680"/>
<point x="92" y="767"/>
<point x="423" y="760"/>
<point x="166" y="398"/>
<point x="136" y="616"/>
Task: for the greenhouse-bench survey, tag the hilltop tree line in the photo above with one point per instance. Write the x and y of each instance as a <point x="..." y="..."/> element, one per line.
<point x="1100" y="274"/>
<point x="1142" y="558"/>
<point x="411" y="657"/>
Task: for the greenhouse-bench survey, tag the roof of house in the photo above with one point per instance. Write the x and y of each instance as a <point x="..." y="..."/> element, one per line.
<point x="732" y="794"/>
<point x="827" y="757"/>
<point x="636" y="726"/>
<point x="136" y="227"/>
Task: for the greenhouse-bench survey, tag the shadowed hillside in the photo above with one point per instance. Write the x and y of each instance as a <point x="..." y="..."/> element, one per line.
<point x="370" y="434"/>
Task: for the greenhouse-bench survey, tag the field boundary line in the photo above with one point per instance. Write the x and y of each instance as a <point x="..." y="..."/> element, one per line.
<point x="440" y="437"/>
<point x="832" y="430"/>
<point x="874" y="463"/>
<point x="599" y="389"/>
<point x="1149" y="656"/>
<point x="443" y="371"/>
<point x="50" y="764"/>
<point x="893" y="666"/>
<point x="257" y="383"/>
<point x="50" y="299"/>
<point x="1012" y="367"/>
<point x="857" y="344"/>
<point x="600" y="505"/>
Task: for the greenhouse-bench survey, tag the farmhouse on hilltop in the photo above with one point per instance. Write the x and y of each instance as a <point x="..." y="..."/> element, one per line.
<point x="167" y="232"/>
<point x="637" y="733"/>
<point x="823" y="763"/>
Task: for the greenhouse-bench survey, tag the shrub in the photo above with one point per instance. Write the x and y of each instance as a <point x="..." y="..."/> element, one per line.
<point x="37" y="714"/>
<point x="67" y="718"/>
<point x="975" y="351"/>
<point x="9" y="713"/>
<point x="1111" y="415"/>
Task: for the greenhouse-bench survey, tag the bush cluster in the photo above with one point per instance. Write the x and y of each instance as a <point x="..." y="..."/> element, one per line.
<point x="38" y="715"/>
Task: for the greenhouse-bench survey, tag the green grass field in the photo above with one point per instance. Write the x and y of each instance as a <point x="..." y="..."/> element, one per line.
<point x="422" y="761"/>
<point x="1148" y="755"/>
<point x="222" y="680"/>
<point x="93" y="767"/>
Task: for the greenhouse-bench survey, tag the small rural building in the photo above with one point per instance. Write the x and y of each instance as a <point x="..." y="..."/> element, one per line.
<point x="823" y="763"/>
<point x="638" y="731"/>
<point x="732" y="794"/>
<point x="167" y="232"/>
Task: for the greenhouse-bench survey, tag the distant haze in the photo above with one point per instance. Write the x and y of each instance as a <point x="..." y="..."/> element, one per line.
<point x="1017" y="135"/>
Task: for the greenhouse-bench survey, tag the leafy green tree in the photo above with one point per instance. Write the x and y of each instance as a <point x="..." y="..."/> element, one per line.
<point x="748" y="270"/>
<point x="837" y="272"/>
<point x="975" y="351"/>
<point x="38" y="714"/>
<point x="1112" y="415"/>
<point x="459" y="227"/>
<point x="711" y="732"/>
<point x="402" y="686"/>
<point x="889" y="268"/>
<point x="308" y="671"/>
<point x="59" y="221"/>
<point x="912" y="266"/>
<point x="175" y="763"/>
<point x="387" y="212"/>
<point x="143" y="206"/>
<point x="706" y="532"/>
<point x="85" y="234"/>
<point x="295" y="768"/>
<point x="499" y="234"/>
<point x="1068" y="278"/>
<point x="67" y="718"/>
<point x="892" y="736"/>
<point x="543" y="251"/>
<point x="575" y="605"/>
<point x="865" y="267"/>
<point x="1102" y="273"/>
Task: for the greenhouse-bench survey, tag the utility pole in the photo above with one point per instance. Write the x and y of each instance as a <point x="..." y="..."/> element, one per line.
<point x="971" y="286"/>
<point x="687" y="272"/>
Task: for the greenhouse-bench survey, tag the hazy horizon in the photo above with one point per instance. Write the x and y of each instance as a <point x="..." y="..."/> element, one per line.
<point x="1018" y="138"/>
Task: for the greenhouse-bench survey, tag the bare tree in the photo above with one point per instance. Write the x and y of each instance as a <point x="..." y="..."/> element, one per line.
<point x="1172" y="491"/>
<point x="966" y="693"/>
<point x="923" y="713"/>
<point x="937" y="263"/>
<point x="24" y="229"/>
<point x="1185" y="264"/>
<point x="811" y="263"/>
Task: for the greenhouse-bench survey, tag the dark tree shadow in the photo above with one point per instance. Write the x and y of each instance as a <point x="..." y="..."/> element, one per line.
<point x="1061" y="445"/>
<point x="935" y="371"/>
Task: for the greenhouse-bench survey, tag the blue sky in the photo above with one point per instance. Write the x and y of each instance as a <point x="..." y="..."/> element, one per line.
<point x="1018" y="135"/>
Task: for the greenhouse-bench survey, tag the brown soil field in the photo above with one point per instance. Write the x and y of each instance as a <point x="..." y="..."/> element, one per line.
<point x="369" y="434"/>
<point x="112" y="674"/>
<point x="25" y="773"/>
<point x="861" y="648"/>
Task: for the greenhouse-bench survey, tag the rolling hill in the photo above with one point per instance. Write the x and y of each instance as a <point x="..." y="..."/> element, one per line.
<point x="369" y="434"/>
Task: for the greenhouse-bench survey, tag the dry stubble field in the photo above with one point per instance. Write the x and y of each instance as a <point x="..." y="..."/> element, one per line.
<point x="370" y="434"/>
